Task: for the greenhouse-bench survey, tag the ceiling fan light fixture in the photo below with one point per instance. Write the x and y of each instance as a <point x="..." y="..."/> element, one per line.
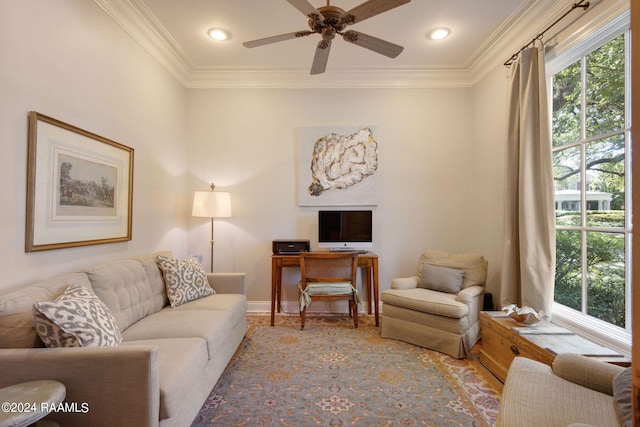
<point x="218" y="34"/>
<point x="438" y="33"/>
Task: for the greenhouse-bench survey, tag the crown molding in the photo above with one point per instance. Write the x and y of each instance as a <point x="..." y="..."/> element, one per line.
<point x="516" y="31"/>
<point x="217" y="78"/>
<point x="527" y="22"/>
<point x="146" y="30"/>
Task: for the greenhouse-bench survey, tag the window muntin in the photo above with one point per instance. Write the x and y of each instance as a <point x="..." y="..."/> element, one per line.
<point x="590" y="138"/>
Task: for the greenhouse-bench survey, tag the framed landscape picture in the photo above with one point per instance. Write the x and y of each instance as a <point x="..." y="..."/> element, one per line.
<point x="79" y="187"/>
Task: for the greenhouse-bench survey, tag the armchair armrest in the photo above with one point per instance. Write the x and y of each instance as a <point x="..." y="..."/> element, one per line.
<point x="586" y="371"/>
<point x="405" y="283"/>
<point x="228" y="283"/>
<point x="468" y="294"/>
<point x="108" y="385"/>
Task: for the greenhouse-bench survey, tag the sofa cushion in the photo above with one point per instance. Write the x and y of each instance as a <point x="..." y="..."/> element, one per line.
<point x="186" y="280"/>
<point x="474" y="265"/>
<point x="123" y="286"/>
<point x="181" y="362"/>
<point x="234" y="304"/>
<point x="77" y="318"/>
<point x="17" y="329"/>
<point x="622" y="396"/>
<point x="426" y="301"/>
<point x="443" y="279"/>
<point x="156" y="281"/>
<point x="211" y="326"/>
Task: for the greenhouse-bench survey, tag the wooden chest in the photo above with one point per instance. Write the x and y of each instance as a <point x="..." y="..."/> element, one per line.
<point x="501" y="344"/>
<point x="503" y="340"/>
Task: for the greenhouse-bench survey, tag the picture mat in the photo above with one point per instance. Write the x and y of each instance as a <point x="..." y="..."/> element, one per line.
<point x="56" y="226"/>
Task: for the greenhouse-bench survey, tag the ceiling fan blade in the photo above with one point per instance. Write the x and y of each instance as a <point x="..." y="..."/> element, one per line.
<point x="321" y="57"/>
<point x="373" y="43"/>
<point x="307" y="9"/>
<point x="368" y="9"/>
<point x="275" y="39"/>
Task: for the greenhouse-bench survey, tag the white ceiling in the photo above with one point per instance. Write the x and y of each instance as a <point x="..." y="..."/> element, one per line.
<point x="484" y="33"/>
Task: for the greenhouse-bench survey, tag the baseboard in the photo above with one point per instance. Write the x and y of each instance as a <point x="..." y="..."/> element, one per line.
<point x="292" y="307"/>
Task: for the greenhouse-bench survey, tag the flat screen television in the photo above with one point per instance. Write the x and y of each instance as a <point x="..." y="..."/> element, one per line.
<point x="345" y="230"/>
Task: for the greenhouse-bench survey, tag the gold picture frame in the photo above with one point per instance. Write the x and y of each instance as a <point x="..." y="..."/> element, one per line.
<point x="79" y="187"/>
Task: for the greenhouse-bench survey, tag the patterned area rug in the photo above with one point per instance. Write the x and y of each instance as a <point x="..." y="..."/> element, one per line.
<point x="330" y="374"/>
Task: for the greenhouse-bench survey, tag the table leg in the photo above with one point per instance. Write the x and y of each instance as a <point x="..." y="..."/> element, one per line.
<point x="375" y="290"/>
<point x="367" y="284"/>
<point x="274" y="279"/>
<point x="278" y="288"/>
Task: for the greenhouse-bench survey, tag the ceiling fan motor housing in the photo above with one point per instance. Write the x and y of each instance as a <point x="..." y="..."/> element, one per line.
<point x="332" y="19"/>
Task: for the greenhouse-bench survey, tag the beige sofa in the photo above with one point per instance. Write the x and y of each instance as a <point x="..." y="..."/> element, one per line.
<point x="164" y="368"/>
<point x="575" y="391"/>
<point x="438" y="307"/>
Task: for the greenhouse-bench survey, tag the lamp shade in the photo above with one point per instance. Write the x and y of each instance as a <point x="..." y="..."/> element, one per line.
<point x="211" y="204"/>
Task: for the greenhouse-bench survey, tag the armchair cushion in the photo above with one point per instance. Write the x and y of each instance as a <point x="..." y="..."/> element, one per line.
<point x="443" y="279"/>
<point x="473" y="265"/>
<point x="426" y="301"/>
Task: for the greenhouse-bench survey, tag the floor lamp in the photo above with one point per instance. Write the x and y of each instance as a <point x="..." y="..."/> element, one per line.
<point x="211" y="204"/>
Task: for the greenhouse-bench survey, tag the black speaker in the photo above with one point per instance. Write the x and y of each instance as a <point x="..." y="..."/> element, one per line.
<point x="290" y="247"/>
<point x="488" y="302"/>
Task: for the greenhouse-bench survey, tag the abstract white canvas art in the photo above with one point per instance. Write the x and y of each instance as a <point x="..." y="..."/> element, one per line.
<point x="338" y="166"/>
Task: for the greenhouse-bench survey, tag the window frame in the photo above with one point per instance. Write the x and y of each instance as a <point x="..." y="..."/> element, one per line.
<point x="558" y="58"/>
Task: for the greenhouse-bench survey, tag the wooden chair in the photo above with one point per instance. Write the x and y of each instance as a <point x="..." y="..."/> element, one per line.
<point x="328" y="276"/>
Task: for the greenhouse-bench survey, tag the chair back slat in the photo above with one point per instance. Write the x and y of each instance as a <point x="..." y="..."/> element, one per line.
<point x="328" y="267"/>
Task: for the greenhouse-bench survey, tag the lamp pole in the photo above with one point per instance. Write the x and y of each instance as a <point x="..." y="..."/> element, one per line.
<point x="212" y="241"/>
<point x="211" y="204"/>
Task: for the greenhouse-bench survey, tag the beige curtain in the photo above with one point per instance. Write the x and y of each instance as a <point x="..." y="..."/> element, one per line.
<point x="529" y="250"/>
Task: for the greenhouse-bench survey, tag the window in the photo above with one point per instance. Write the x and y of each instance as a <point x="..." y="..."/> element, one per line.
<point x="591" y="164"/>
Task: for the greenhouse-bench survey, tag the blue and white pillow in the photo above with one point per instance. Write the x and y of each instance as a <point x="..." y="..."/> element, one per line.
<point x="185" y="280"/>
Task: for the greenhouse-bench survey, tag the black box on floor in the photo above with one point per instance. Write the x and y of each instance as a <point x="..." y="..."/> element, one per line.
<point x="488" y="302"/>
<point x="291" y="247"/>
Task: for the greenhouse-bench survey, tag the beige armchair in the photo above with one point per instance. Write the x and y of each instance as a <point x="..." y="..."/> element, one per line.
<point x="439" y="307"/>
<point x="575" y="391"/>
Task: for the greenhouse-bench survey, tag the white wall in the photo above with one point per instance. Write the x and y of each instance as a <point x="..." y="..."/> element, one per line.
<point x="441" y="152"/>
<point x="244" y="140"/>
<point x="489" y="160"/>
<point x="69" y="60"/>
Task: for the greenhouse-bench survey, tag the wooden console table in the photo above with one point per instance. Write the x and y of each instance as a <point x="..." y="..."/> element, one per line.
<point x="367" y="261"/>
<point x="503" y="340"/>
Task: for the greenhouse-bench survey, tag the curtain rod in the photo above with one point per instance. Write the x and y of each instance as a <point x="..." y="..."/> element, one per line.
<point x="581" y="4"/>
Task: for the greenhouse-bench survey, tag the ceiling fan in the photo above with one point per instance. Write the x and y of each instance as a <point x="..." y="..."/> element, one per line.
<point x="331" y="20"/>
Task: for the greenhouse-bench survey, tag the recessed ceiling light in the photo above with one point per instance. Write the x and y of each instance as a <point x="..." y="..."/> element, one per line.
<point x="218" y="34"/>
<point x="438" y="33"/>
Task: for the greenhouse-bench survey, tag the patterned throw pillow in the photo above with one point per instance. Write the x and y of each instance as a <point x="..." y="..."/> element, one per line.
<point x="77" y="318"/>
<point x="186" y="280"/>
